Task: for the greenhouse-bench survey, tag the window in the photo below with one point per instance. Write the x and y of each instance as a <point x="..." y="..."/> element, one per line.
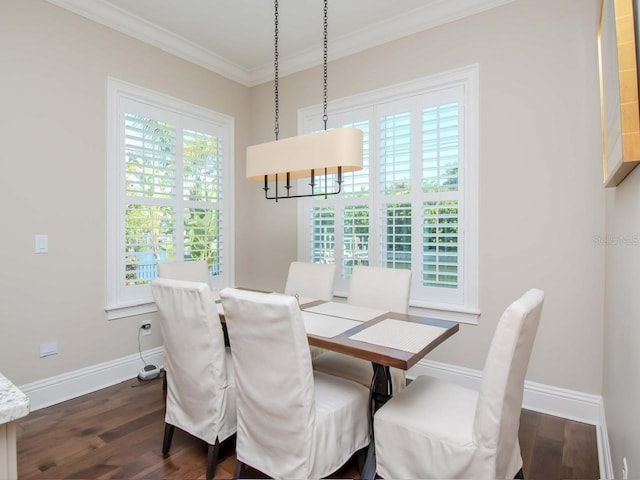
<point x="169" y="185"/>
<point x="414" y="204"/>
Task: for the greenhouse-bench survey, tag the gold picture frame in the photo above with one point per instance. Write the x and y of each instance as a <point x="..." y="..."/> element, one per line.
<point x="619" y="112"/>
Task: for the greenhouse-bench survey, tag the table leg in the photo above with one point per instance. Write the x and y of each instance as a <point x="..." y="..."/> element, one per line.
<point x="381" y="392"/>
<point x="8" y="451"/>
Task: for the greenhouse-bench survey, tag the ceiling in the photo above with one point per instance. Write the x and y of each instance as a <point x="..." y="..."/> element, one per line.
<point x="235" y="37"/>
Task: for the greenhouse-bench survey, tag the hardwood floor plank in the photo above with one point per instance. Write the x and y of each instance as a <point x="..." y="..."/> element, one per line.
<point x="527" y="436"/>
<point x="578" y="439"/>
<point x="546" y="460"/>
<point x="117" y="432"/>
<point x="551" y="428"/>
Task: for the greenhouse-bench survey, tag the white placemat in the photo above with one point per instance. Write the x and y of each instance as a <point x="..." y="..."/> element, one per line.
<point x="344" y="310"/>
<point x="326" y="326"/>
<point x="398" y="334"/>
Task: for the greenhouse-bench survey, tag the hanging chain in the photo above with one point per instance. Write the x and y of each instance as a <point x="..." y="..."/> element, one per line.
<point x="276" y="128"/>
<point x="325" y="117"/>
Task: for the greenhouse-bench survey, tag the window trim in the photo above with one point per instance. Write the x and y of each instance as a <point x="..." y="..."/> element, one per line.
<point x="116" y="89"/>
<point x="468" y="78"/>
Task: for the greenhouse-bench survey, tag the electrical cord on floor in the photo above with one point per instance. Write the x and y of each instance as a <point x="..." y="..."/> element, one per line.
<point x="139" y="349"/>
<point x="148" y="371"/>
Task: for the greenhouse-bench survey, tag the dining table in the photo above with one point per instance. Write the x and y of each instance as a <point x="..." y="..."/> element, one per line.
<point x="386" y="339"/>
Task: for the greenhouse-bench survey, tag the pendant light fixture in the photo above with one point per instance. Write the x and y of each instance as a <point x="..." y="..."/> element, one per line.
<point x="334" y="151"/>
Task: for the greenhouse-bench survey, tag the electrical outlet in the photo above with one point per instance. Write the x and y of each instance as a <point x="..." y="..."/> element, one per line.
<point x="146" y="328"/>
<point x="47" y="349"/>
<point x="625" y="469"/>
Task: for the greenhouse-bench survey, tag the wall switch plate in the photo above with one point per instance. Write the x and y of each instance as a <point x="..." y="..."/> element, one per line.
<point x="47" y="349"/>
<point x="41" y="243"/>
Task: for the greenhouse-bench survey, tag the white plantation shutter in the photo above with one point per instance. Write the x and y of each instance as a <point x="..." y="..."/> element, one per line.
<point x="323" y="235"/>
<point x="150" y="173"/>
<point x="169" y="187"/>
<point x="395" y="153"/>
<point x="440" y="147"/>
<point x="440" y="240"/>
<point x="355" y="237"/>
<point x="150" y="165"/>
<point x="202" y="166"/>
<point x="411" y="205"/>
<point x="203" y="192"/>
<point x="356" y="184"/>
<point x="397" y="237"/>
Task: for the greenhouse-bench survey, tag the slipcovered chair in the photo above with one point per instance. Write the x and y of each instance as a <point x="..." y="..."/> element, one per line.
<point x="199" y="370"/>
<point x="190" y="271"/>
<point x="386" y="289"/>
<point x="292" y="422"/>
<point x="437" y="429"/>
<point x="313" y="281"/>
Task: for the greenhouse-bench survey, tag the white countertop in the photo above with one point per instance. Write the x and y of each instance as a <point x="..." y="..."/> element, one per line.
<point x="13" y="403"/>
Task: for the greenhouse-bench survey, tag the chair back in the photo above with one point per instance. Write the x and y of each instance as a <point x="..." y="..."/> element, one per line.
<point x="313" y="280"/>
<point x="497" y="416"/>
<point x="190" y="271"/>
<point x="198" y="389"/>
<point x="274" y="380"/>
<point x="384" y="288"/>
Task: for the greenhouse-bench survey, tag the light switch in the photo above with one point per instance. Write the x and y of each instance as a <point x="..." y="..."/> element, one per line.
<point x="42" y="243"/>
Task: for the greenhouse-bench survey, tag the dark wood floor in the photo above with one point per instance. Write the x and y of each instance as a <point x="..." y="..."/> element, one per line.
<point x="117" y="433"/>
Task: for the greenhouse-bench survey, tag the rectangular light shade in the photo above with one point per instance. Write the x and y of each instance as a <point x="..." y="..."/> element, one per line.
<point x="330" y="149"/>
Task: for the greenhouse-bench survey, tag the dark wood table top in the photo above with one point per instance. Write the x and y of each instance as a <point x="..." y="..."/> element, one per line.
<point x="376" y="353"/>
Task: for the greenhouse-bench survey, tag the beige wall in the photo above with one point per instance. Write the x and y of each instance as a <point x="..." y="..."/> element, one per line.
<point x="621" y="385"/>
<point x="621" y="389"/>
<point x="541" y="199"/>
<point x="53" y="71"/>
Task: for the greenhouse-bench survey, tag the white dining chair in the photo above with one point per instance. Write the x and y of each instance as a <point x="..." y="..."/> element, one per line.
<point x="190" y="271"/>
<point x="386" y="289"/>
<point x="311" y="281"/>
<point x="383" y="288"/>
<point x="438" y="429"/>
<point x="200" y="386"/>
<point x="292" y="422"/>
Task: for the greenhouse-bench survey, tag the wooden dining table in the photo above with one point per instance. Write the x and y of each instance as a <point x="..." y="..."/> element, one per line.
<point x="386" y="339"/>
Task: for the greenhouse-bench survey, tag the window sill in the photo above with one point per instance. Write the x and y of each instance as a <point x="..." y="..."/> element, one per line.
<point x="122" y="311"/>
<point x="446" y="312"/>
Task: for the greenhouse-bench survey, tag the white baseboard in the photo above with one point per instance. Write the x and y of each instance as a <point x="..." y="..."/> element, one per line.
<point x="582" y="407"/>
<point x="604" y="452"/>
<point x="43" y="393"/>
<point x="560" y="402"/>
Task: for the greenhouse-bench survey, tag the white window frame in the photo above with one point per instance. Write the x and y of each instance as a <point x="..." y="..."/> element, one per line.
<point x="119" y="303"/>
<point x="467" y="308"/>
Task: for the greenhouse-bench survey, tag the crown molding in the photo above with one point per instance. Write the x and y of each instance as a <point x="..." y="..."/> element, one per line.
<point x="436" y="13"/>
<point x="113" y="17"/>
